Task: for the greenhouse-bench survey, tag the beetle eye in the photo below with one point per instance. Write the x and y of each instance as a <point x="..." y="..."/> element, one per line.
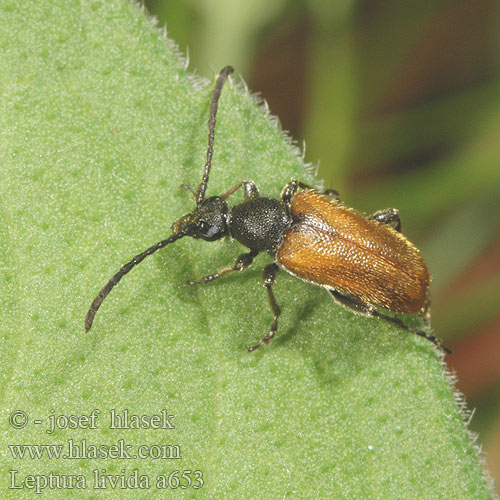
<point x="203" y="226"/>
<point x="206" y="230"/>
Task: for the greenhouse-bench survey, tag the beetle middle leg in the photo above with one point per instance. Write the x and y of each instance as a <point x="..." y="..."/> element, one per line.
<point x="291" y="188"/>
<point x="368" y="310"/>
<point x="387" y="216"/>
<point x="242" y="262"/>
<point x="269" y="276"/>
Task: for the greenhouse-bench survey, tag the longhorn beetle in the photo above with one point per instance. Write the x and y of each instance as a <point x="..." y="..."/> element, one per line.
<point x="363" y="262"/>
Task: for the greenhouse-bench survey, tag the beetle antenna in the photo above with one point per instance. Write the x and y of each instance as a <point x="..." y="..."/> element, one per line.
<point x="89" y="318"/>
<point x="221" y="79"/>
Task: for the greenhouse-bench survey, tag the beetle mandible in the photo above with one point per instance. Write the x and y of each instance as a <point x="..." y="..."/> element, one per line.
<point x="363" y="262"/>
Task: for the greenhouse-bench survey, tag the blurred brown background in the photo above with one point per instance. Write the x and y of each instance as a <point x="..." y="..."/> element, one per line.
<point x="399" y="102"/>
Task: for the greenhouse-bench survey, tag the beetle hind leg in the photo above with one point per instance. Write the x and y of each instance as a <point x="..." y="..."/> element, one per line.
<point x="396" y="321"/>
<point x="368" y="310"/>
<point x="425" y="313"/>
<point x="387" y="216"/>
<point x="269" y="276"/>
<point x="333" y="194"/>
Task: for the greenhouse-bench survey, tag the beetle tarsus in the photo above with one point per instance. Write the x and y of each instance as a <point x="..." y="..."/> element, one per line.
<point x="291" y="188"/>
<point x="368" y="310"/>
<point x="190" y="189"/>
<point x="269" y="276"/>
<point x="267" y="338"/>
<point x="396" y="321"/>
<point x="242" y="262"/>
<point x="387" y="216"/>
<point x="333" y="194"/>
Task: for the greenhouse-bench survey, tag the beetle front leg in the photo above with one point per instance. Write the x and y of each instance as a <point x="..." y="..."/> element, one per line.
<point x="387" y="216"/>
<point x="242" y="262"/>
<point x="269" y="276"/>
<point x="250" y="190"/>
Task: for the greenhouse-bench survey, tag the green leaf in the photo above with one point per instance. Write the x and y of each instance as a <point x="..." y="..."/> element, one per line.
<point x="100" y="124"/>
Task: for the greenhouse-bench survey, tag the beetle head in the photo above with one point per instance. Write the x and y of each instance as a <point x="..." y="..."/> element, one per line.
<point x="207" y="221"/>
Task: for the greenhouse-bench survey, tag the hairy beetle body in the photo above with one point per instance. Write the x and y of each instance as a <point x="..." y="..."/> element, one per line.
<point x="363" y="262"/>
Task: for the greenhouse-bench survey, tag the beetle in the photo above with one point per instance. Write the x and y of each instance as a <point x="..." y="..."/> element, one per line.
<point x="365" y="263"/>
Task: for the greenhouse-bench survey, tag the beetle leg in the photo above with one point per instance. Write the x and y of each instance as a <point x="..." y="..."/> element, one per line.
<point x="396" y="321"/>
<point x="425" y="313"/>
<point x="369" y="310"/>
<point x="291" y="188"/>
<point x="242" y="262"/>
<point x="333" y="194"/>
<point x="190" y="189"/>
<point x="387" y="216"/>
<point x="269" y="276"/>
<point x="250" y="190"/>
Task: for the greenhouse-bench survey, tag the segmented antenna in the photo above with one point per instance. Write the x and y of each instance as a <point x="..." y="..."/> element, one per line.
<point x="221" y="79"/>
<point x="94" y="307"/>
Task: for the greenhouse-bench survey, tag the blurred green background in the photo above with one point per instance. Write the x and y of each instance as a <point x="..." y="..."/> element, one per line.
<point x="399" y="106"/>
